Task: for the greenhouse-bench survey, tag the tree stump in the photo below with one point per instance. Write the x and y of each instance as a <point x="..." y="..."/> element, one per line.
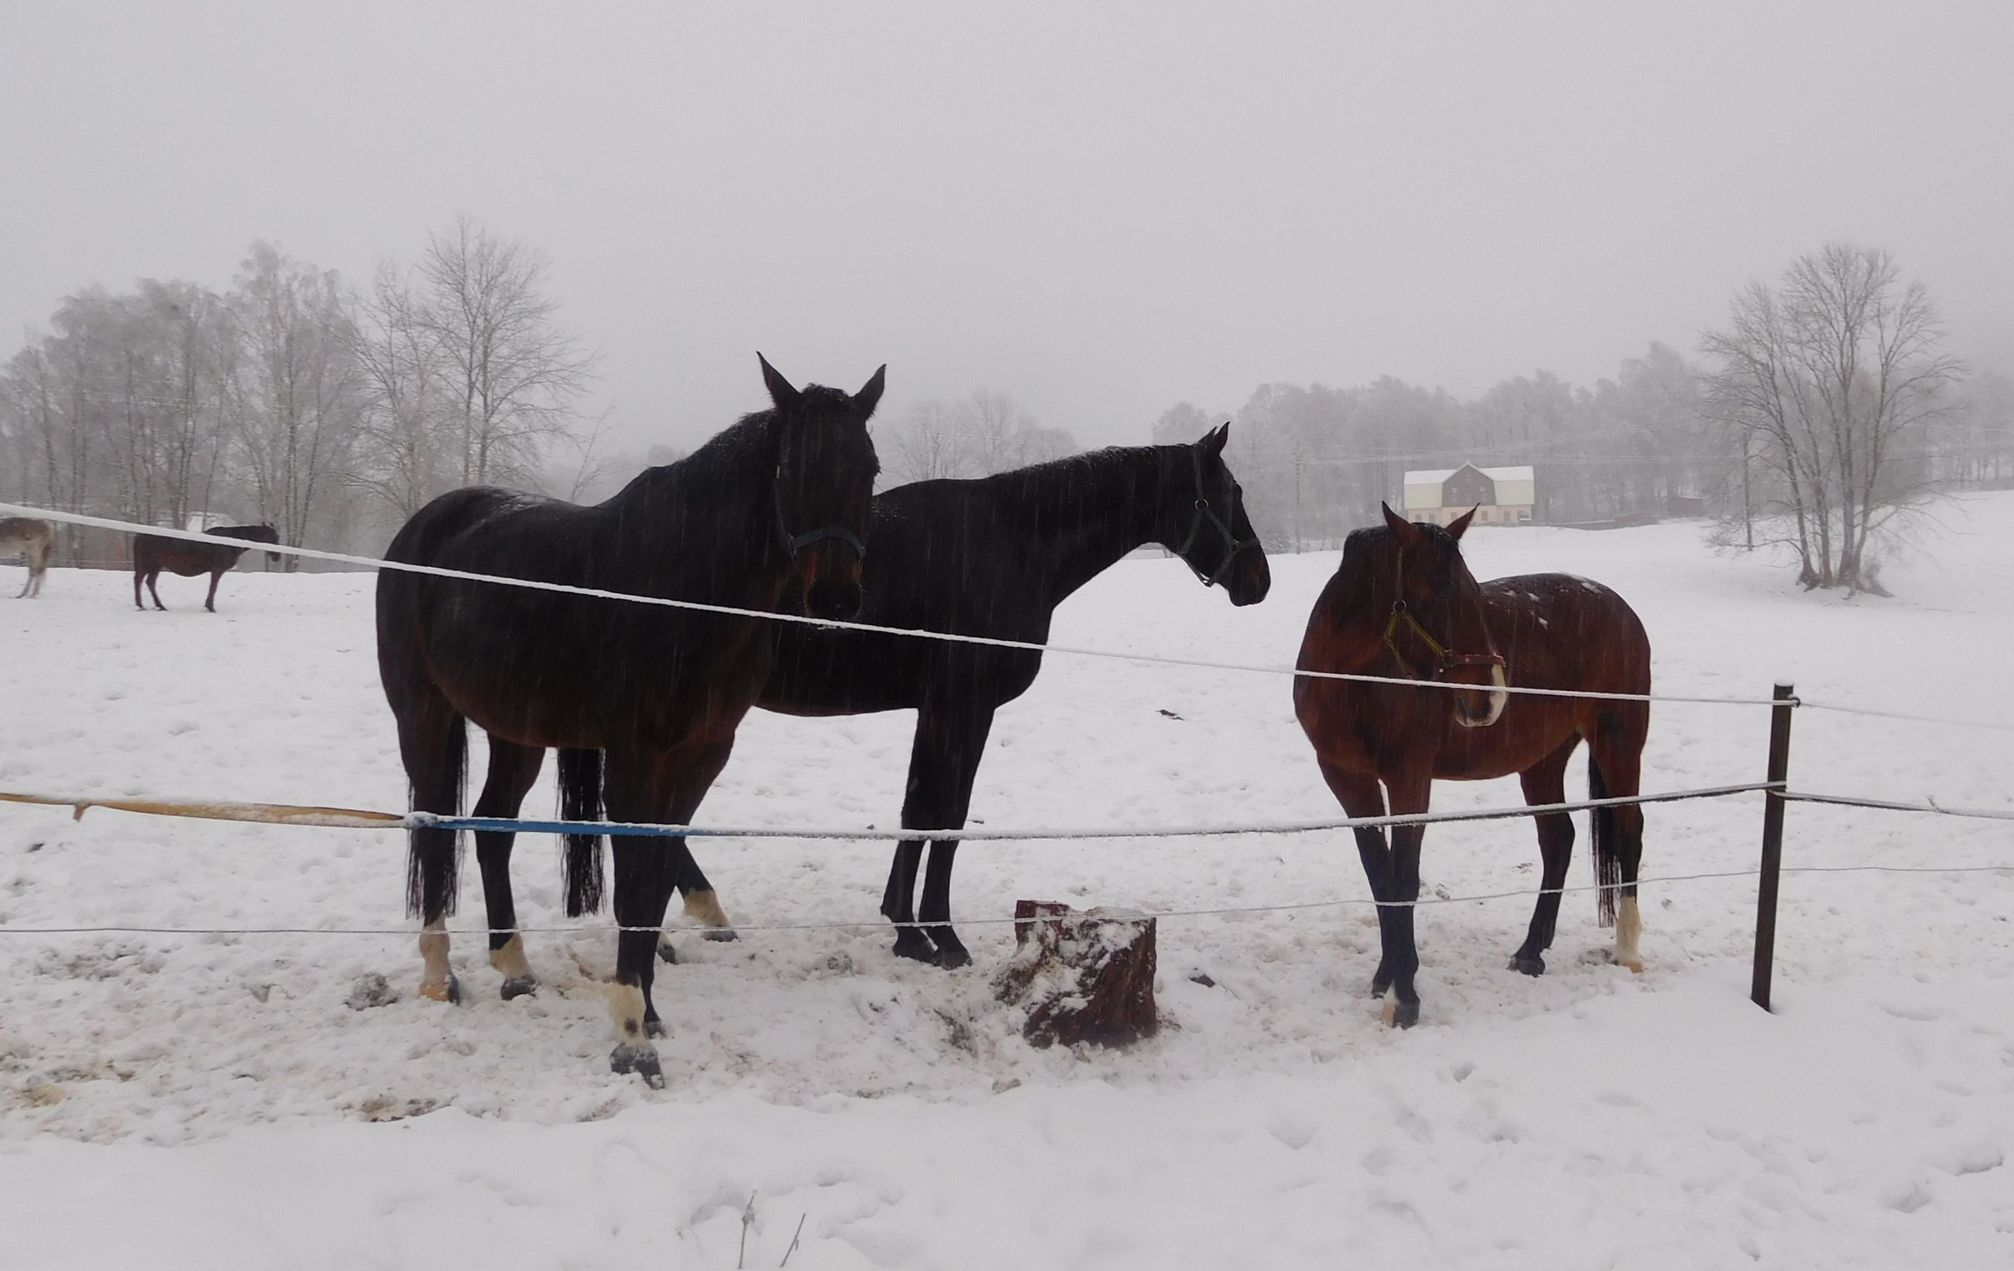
<point x="1086" y="977"/>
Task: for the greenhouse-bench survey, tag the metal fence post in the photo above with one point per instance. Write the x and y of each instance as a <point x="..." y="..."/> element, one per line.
<point x="1772" y="845"/>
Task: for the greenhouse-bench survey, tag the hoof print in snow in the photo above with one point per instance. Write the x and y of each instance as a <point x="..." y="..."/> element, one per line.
<point x="370" y="990"/>
<point x="1203" y="978"/>
<point x="1085" y="977"/>
<point x="383" y="1108"/>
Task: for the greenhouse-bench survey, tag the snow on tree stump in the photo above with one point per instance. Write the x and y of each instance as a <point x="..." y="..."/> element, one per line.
<point x="1086" y="977"/>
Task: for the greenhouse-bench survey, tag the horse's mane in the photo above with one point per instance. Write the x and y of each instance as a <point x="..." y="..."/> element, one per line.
<point x="1369" y="536"/>
<point x="1086" y="462"/>
<point x="753" y="436"/>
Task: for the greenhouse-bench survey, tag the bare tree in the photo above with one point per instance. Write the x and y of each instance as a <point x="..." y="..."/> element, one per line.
<point x="922" y="444"/>
<point x="406" y="451"/>
<point x="298" y="392"/>
<point x="998" y="434"/>
<point x="1825" y="378"/>
<point x="514" y="374"/>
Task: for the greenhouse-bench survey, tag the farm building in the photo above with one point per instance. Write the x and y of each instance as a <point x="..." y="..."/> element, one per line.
<point x="1503" y="496"/>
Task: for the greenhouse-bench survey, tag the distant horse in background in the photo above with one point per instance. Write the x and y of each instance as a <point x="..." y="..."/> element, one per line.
<point x="32" y="541"/>
<point x="153" y="553"/>
<point x="994" y="557"/>
<point x="642" y="701"/>
<point x="1403" y="604"/>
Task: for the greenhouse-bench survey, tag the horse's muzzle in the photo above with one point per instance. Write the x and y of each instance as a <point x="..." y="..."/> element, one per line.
<point x="836" y="599"/>
<point x="1251" y="577"/>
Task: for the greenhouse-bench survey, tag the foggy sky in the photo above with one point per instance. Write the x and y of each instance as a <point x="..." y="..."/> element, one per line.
<point x="1101" y="209"/>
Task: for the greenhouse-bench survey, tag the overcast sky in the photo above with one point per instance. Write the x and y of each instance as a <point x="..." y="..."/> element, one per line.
<point x="1103" y="209"/>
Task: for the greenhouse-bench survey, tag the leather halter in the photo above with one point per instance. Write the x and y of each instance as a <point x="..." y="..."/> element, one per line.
<point x="1444" y="660"/>
<point x="795" y="543"/>
<point x="1232" y="543"/>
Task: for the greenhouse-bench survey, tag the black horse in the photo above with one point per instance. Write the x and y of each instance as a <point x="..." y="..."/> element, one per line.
<point x="994" y="557"/>
<point x="153" y="553"/>
<point x="642" y="701"/>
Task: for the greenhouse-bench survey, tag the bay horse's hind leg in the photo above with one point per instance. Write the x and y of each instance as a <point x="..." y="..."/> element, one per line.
<point x="1615" y="761"/>
<point x="210" y="601"/>
<point x="512" y="770"/>
<point x="433" y="742"/>
<point x="153" y="589"/>
<point x="1545" y="782"/>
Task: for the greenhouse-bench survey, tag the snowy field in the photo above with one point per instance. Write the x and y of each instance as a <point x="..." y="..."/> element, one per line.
<point x="210" y="1100"/>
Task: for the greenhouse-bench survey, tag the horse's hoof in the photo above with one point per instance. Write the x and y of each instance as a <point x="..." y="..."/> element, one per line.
<point x="448" y="990"/>
<point x="722" y="934"/>
<point x="1404" y="1014"/>
<point x="522" y="986"/>
<point x="1380" y="986"/>
<point x="641" y="1060"/>
<point x="653" y="1026"/>
<point x="951" y="957"/>
<point x="666" y="951"/>
<point x="911" y="943"/>
<point x="1529" y="963"/>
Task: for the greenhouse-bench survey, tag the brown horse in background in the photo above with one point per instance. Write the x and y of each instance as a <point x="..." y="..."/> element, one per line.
<point x="31" y="540"/>
<point x="1403" y="604"/>
<point x="153" y="553"/>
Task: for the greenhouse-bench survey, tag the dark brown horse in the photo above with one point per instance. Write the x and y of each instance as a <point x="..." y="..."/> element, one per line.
<point x="1403" y="604"/>
<point x="642" y="701"/>
<point x="152" y="554"/>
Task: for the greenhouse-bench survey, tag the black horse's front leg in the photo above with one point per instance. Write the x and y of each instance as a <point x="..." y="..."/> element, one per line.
<point x="943" y="763"/>
<point x="898" y="902"/>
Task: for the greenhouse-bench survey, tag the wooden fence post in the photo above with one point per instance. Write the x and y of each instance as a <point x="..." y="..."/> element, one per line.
<point x="1772" y="846"/>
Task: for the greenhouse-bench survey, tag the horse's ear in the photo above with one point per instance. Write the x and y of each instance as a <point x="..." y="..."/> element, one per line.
<point x="870" y="393"/>
<point x="1403" y="530"/>
<point x="1214" y="441"/>
<point x="780" y="390"/>
<point x="1460" y="525"/>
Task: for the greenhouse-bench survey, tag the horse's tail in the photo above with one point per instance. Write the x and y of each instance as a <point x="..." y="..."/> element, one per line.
<point x="1607" y="864"/>
<point x="433" y="856"/>
<point x="580" y="800"/>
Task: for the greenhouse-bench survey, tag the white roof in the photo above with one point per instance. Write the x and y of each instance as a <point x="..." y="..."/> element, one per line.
<point x="1434" y="476"/>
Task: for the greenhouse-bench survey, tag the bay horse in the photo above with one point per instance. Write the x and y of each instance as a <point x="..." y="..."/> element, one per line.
<point x="1403" y="604"/>
<point x="153" y="553"/>
<point x="994" y="556"/>
<point x="642" y="701"/>
<point x="31" y="540"/>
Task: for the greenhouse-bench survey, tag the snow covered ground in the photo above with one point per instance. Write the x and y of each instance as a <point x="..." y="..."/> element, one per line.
<point x="210" y="1099"/>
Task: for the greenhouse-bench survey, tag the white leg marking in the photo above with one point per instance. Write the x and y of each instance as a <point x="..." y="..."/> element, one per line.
<point x="511" y="959"/>
<point x="435" y="982"/>
<point x="704" y="907"/>
<point x="625" y="1011"/>
<point x="1628" y="928"/>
